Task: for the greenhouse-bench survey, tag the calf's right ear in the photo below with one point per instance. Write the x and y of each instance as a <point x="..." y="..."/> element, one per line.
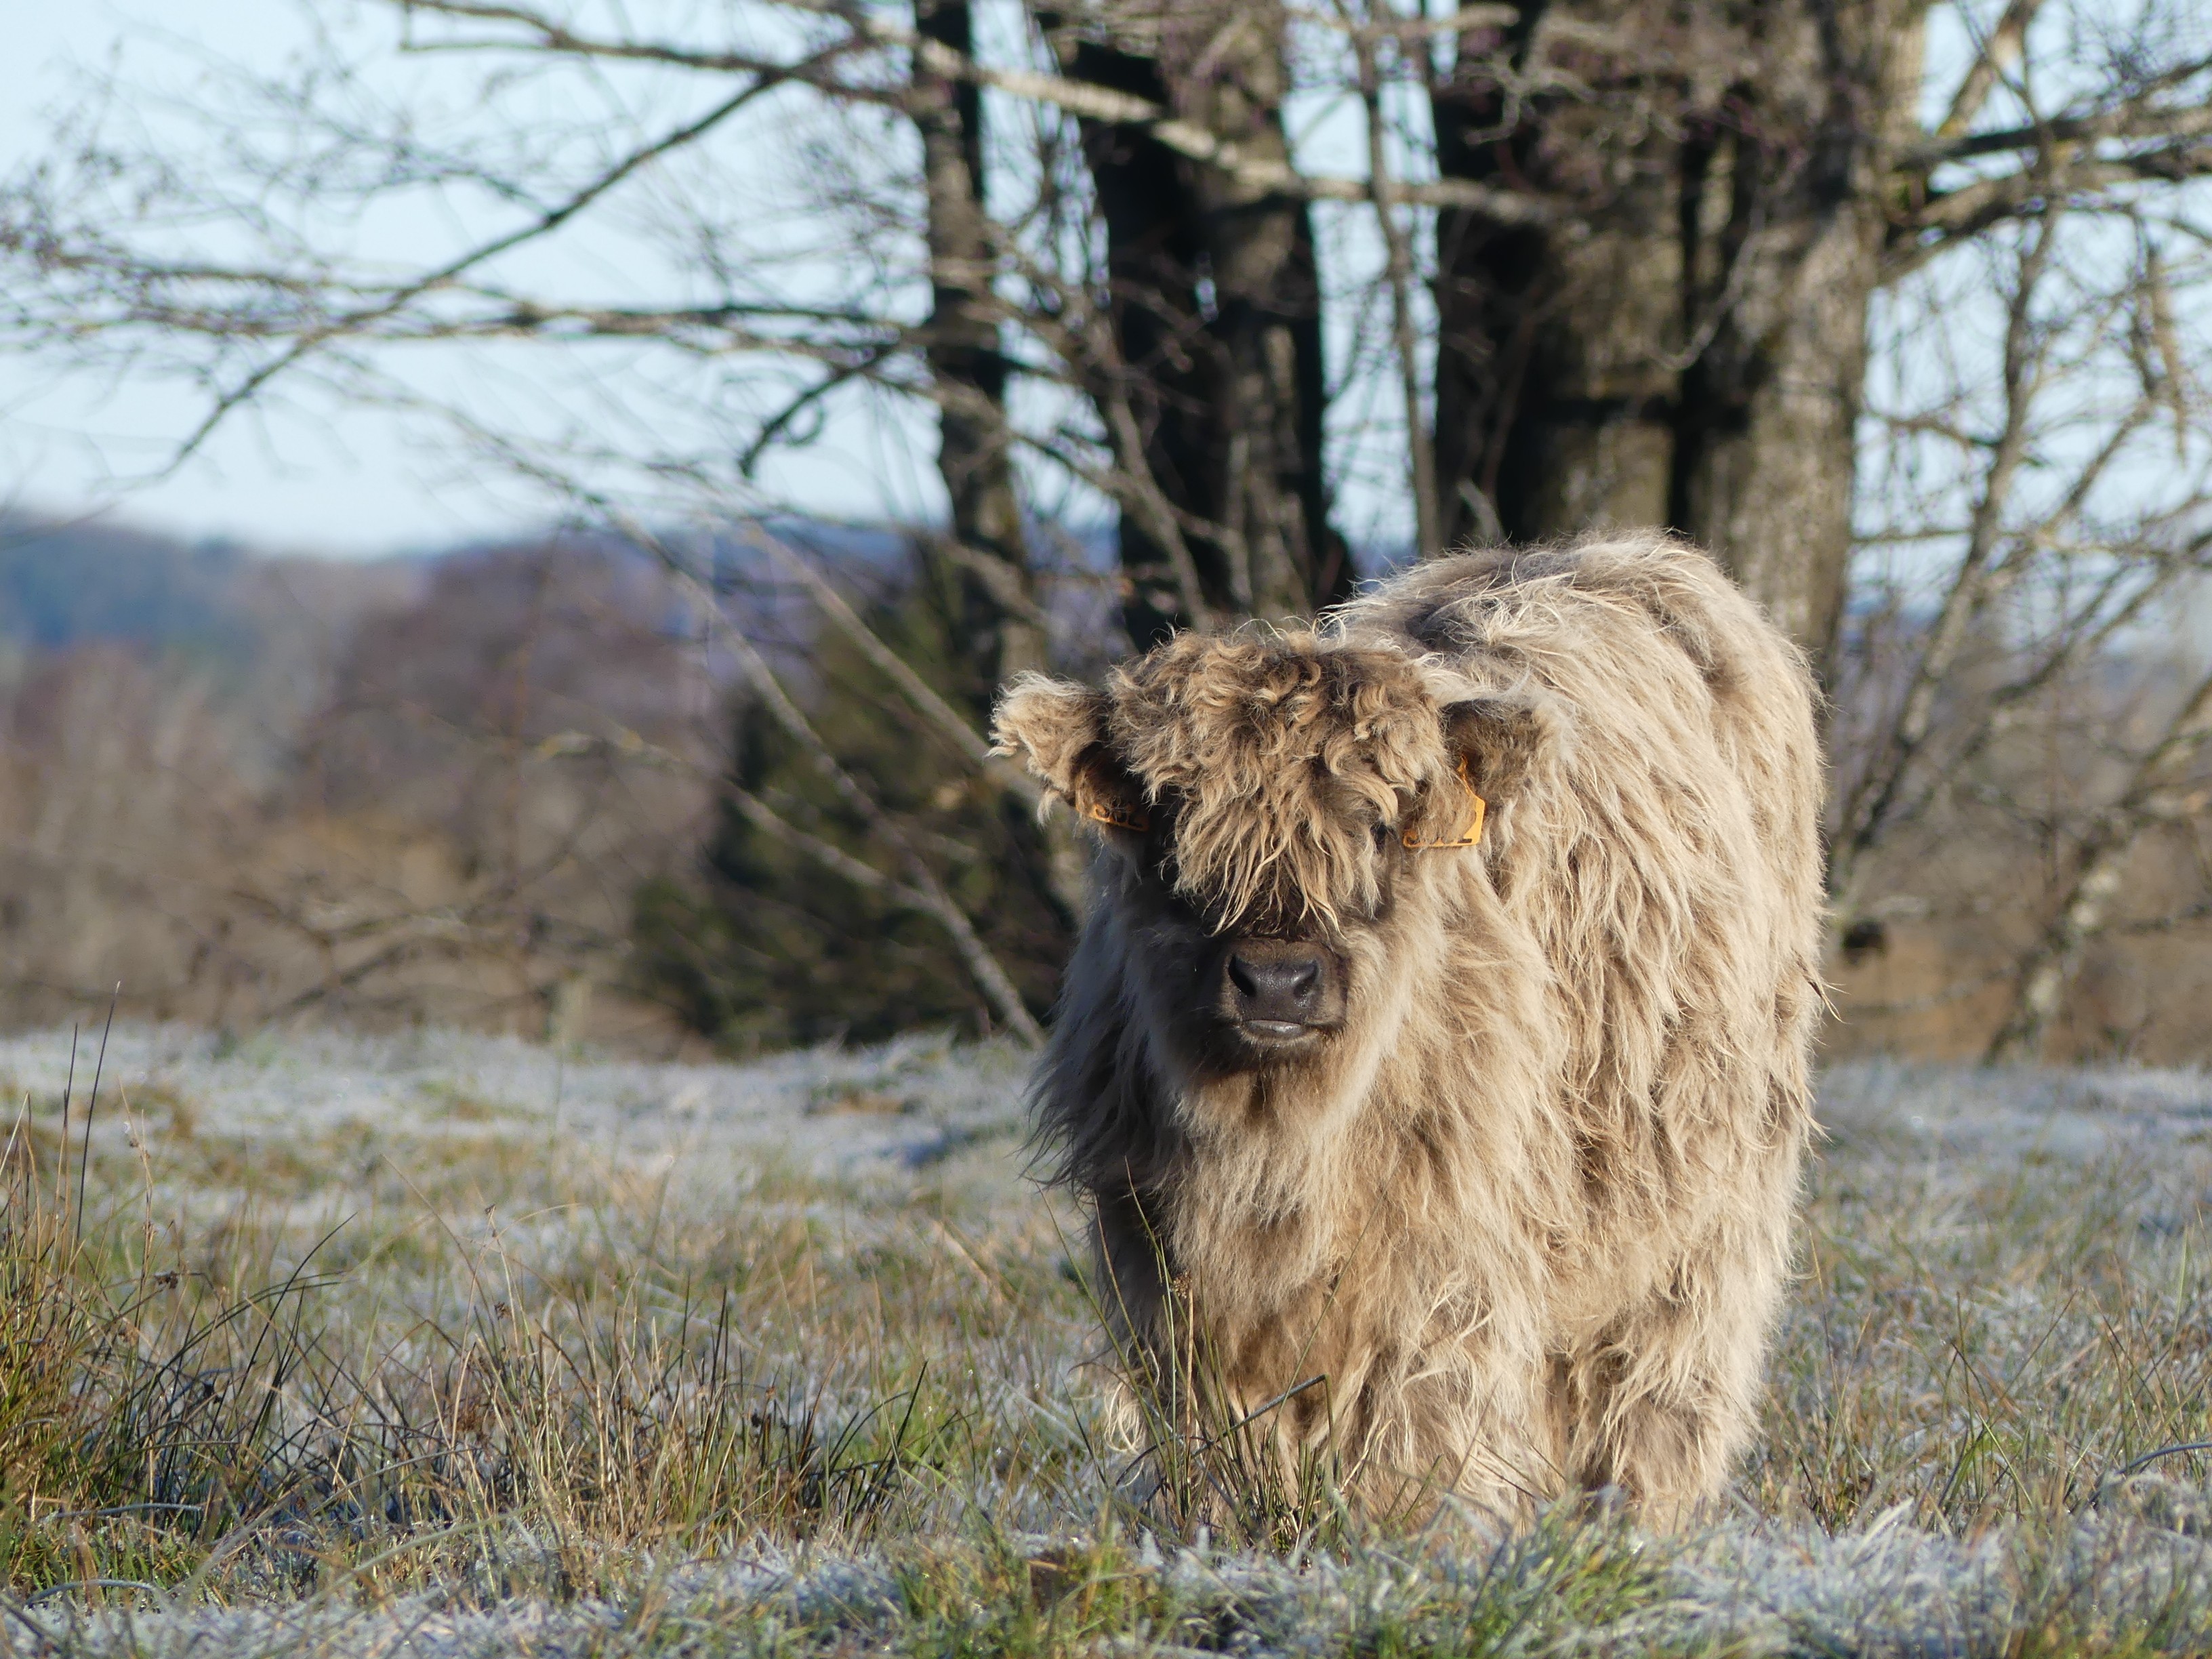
<point x="1059" y="730"/>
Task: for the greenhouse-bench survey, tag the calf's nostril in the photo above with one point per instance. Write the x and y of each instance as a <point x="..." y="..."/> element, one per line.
<point x="1275" y="982"/>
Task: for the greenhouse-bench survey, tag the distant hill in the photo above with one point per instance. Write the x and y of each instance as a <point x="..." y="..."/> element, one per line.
<point x="65" y="583"/>
<point x="248" y="614"/>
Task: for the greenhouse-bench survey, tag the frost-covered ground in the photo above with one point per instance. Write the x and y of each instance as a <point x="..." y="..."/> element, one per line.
<point x="821" y="1113"/>
<point x="2006" y="1301"/>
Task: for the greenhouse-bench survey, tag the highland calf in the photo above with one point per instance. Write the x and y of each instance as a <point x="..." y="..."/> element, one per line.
<point x="1440" y="1023"/>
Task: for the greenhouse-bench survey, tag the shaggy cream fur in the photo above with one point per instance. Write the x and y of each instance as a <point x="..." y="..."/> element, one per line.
<point x="1527" y="1205"/>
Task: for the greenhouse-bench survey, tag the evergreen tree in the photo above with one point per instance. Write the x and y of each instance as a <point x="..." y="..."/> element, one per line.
<point x="768" y="946"/>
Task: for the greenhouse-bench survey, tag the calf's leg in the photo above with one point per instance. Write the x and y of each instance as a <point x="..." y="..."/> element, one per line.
<point x="1659" y="1404"/>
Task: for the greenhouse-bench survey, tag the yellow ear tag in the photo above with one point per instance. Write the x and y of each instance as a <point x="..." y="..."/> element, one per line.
<point x="1117" y="817"/>
<point x="1468" y="838"/>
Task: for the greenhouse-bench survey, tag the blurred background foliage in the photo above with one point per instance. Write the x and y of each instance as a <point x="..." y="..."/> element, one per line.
<point x="1149" y="318"/>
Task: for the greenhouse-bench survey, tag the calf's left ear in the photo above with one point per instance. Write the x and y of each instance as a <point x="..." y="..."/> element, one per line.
<point x="1501" y="741"/>
<point x="1058" y="729"/>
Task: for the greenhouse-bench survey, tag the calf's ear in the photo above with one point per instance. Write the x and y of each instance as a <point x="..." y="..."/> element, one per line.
<point x="1501" y="741"/>
<point x="1058" y="731"/>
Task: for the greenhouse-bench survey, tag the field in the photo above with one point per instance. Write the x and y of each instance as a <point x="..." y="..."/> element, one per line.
<point x="448" y="1346"/>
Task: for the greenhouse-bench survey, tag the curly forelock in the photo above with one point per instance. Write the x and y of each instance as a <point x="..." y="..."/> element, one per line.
<point x="1281" y="753"/>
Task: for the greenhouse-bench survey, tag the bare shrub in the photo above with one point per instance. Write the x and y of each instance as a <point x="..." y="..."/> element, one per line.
<point x="443" y="815"/>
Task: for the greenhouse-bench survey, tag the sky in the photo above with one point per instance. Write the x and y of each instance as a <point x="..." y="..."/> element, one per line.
<point x="312" y="474"/>
<point x="318" y="476"/>
<point x="330" y="481"/>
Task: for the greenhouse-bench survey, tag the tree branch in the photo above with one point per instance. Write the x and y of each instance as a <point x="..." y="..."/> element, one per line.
<point x="1867" y="809"/>
<point x="970" y="743"/>
<point x="2156" y="794"/>
<point x="1078" y="98"/>
<point x="1950" y="217"/>
<point x="921" y="880"/>
<point x="2000" y="55"/>
<point x="2125" y="124"/>
<point x="545" y="224"/>
<point x="934" y="900"/>
<point x="1398" y="272"/>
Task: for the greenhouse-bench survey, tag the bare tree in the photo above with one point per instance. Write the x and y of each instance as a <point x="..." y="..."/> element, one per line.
<point x="975" y="441"/>
<point x="2020" y="690"/>
<point x="1215" y="301"/>
<point x="1680" y="334"/>
<point x="1586" y="261"/>
<point x="445" y="816"/>
<point x="1658" y="235"/>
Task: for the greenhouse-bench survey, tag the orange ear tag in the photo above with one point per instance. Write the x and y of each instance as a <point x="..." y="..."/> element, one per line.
<point x="1116" y="817"/>
<point x="1468" y="838"/>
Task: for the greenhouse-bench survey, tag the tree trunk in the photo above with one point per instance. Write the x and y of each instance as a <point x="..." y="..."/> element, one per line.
<point x="1001" y="620"/>
<point x="975" y="455"/>
<point x="1217" y="313"/>
<point x="1685" y="344"/>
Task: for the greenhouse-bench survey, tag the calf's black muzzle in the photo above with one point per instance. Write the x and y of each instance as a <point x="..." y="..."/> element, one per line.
<point x="1280" y="991"/>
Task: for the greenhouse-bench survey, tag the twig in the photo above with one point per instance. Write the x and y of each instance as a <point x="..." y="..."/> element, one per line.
<point x="1398" y="270"/>
<point x="938" y="902"/>
<point x="84" y="1159"/>
<point x="934" y="900"/>
<point x="61" y="1157"/>
<point x="2147" y="1458"/>
<point x="1867" y="808"/>
<point x="546" y="222"/>
<point x="1083" y="99"/>
<point x="2000" y="55"/>
<point x="972" y="745"/>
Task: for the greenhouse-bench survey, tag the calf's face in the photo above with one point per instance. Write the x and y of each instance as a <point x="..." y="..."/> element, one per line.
<point x="1266" y="803"/>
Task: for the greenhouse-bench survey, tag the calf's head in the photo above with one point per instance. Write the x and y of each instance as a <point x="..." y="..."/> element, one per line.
<point x="1269" y="804"/>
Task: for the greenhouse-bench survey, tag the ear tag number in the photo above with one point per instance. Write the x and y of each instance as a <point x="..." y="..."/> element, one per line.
<point x="1468" y="838"/>
<point x="1118" y="817"/>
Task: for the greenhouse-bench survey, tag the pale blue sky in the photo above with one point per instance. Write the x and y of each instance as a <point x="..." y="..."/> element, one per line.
<point x="312" y="474"/>
<point x="333" y="481"/>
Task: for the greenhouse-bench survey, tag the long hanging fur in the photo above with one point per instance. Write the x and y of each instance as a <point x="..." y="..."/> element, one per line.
<point x="1529" y="1208"/>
